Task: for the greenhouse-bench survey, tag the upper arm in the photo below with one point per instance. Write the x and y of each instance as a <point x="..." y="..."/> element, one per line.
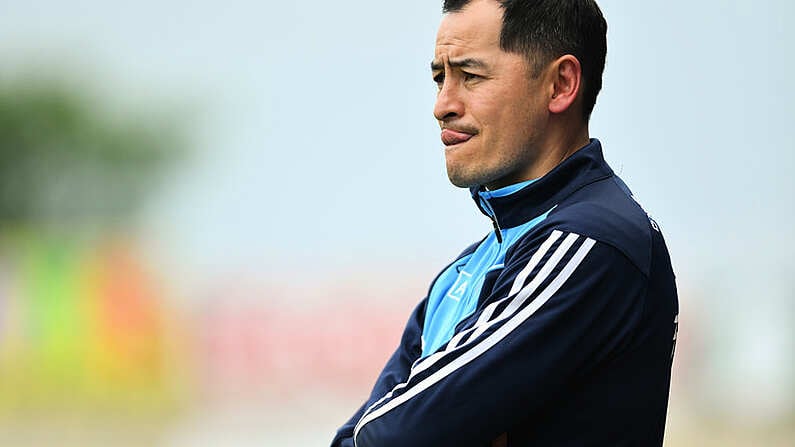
<point x="563" y="303"/>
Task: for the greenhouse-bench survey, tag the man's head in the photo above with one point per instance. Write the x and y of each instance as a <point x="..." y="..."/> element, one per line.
<point x="516" y="78"/>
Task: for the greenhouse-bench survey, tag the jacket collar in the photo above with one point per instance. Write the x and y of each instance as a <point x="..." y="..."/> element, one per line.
<point x="514" y="208"/>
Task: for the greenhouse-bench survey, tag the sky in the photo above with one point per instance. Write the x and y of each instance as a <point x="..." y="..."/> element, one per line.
<point x="316" y="140"/>
<point x="317" y="152"/>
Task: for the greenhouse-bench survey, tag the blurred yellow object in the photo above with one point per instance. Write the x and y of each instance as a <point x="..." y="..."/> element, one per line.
<point x="88" y="327"/>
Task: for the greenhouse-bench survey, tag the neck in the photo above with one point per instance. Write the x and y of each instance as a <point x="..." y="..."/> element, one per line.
<point x="560" y="144"/>
<point x="564" y="144"/>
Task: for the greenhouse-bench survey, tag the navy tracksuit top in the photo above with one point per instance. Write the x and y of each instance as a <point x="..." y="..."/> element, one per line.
<point x="557" y="329"/>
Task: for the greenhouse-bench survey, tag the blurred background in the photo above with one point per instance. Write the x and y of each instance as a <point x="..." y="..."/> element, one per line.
<point x="214" y="220"/>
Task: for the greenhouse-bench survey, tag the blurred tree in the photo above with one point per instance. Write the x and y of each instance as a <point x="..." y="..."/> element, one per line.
<point x="81" y="319"/>
<point x="65" y="161"/>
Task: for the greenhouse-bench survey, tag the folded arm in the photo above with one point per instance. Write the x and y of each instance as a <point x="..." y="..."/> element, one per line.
<point x="563" y="303"/>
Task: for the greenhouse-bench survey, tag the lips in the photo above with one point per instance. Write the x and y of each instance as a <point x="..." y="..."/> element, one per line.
<point x="452" y="137"/>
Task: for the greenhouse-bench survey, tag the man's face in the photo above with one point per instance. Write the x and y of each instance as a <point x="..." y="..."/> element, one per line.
<point x="491" y="111"/>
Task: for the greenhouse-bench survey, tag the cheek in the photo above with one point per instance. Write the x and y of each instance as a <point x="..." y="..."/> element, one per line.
<point x="487" y="109"/>
<point x="513" y="123"/>
<point x="507" y="118"/>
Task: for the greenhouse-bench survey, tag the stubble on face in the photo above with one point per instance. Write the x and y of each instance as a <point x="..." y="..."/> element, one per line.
<point x="502" y="105"/>
<point x="500" y="171"/>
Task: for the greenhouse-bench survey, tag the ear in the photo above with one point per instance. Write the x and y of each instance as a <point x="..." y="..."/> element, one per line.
<point x="567" y="77"/>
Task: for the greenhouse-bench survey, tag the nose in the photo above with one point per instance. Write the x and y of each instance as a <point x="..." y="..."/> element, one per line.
<point x="449" y="103"/>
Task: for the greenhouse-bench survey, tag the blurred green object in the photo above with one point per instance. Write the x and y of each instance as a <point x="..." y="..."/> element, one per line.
<point x="66" y="160"/>
<point x="83" y="322"/>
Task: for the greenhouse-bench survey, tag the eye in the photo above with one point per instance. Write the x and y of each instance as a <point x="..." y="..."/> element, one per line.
<point x="439" y="79"/>
<point x="470" y="76"/>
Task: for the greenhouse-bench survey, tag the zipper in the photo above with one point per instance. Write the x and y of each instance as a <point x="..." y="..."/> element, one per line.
<point x="497" y="229"/>
<point x="485" y="206"/>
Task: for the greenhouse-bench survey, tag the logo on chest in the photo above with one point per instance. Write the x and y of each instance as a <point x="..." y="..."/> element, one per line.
<point x="459" y="288"/>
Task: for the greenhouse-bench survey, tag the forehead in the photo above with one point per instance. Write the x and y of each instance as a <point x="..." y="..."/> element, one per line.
<point x="474" y="28"/>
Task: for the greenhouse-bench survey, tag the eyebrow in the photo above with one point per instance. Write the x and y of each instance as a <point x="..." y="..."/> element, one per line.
<point x="461" y="63"/>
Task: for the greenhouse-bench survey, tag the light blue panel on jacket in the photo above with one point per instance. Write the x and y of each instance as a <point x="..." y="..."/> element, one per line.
<point x="454" y="296"/>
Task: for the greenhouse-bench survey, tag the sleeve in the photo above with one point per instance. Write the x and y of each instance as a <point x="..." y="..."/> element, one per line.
<point x="395" y="371"/>
<point x="563" y="303"/>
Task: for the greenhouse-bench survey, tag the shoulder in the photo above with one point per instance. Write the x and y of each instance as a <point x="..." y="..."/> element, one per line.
<point x="606" y="212"/>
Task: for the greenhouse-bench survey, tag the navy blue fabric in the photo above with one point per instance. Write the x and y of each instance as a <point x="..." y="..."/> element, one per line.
<point x="570" y="343"/>
<point x="455" y="294"/>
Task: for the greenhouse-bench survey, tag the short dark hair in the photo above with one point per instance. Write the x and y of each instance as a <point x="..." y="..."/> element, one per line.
<point x="544" y="30"/>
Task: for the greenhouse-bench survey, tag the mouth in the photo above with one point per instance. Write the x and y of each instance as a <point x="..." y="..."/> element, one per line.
<point x="452" y="137"/>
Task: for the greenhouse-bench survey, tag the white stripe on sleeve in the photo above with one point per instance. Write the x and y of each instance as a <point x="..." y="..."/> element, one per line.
<point x="523" y="292"/>
<point x="478" y="349"/>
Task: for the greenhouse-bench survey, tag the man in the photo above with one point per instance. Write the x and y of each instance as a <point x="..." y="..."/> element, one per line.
<point x="558" y="328"/>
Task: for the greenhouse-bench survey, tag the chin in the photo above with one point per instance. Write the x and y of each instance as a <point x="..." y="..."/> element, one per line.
<point x="460" y="183"/>
<point x="459" y="172"/>
<point x="456" y="178"/>
<point x="463" y="179"/>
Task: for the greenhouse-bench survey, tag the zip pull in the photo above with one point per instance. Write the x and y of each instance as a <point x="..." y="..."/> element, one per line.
<point x="497" y="230"/>
<point x="486" y="208"/>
